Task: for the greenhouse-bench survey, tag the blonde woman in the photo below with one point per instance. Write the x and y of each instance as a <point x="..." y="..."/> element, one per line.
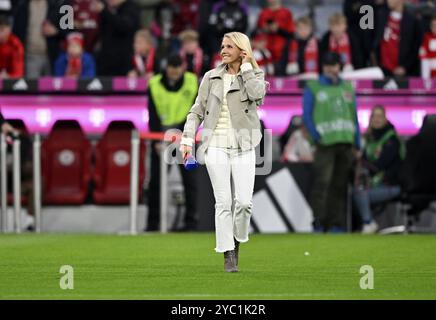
<point x="227" y="103"/>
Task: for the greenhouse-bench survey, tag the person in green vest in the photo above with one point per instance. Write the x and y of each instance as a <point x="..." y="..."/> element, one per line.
<point x="330" y="116"/>
<point x="170" y="97"/>
<point x="378" y="173"/>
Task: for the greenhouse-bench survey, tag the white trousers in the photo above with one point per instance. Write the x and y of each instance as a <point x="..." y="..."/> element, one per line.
<point x="231" y="169"/>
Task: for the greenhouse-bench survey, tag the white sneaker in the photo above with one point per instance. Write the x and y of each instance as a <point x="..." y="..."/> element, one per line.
<point x="29" y="222"/>
<point x="370" y="228"/>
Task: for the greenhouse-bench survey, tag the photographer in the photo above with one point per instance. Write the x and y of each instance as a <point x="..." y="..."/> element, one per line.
<point x="330" y="116"/>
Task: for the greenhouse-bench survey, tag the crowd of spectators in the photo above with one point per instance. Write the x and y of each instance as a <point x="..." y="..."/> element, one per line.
<point x="110" y="39"/>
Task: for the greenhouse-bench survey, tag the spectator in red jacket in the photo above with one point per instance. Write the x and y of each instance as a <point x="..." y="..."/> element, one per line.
<point x="303" y="50"/>
<point x="428" y="52"/>
<point x="11" y="51"/>
<point x="398" y="35"/>
<point x="277" y="22"/>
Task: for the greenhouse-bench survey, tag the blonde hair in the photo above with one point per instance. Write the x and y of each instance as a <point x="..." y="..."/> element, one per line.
<point x="305" y="20"/>
<point x="145" y="34"/>
<point x="243" y="43"/>
<point x="337" y="18"/>
<point x="188" y="35"/>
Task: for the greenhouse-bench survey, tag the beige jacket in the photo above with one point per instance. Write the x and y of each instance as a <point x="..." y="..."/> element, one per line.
<point x="245" y="95"/>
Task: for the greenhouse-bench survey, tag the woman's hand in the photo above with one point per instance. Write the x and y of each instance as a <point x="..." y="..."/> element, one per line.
<point x="245" y="57"/>
<point x="185" y="150"/>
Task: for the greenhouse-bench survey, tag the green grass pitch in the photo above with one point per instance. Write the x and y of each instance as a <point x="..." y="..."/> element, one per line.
<point x="185" y="266"/>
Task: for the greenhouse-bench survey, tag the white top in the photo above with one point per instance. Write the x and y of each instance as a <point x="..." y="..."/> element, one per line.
<point x="224" y="136"/>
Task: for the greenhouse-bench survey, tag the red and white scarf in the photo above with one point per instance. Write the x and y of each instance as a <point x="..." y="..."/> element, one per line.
<point x="198" y="60"/>
<point x="342" y="47"/>
<point x="142" y="64"/>
<point x="310" y="55"/>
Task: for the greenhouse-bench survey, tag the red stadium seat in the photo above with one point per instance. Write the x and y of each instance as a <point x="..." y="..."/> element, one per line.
<point x="112" y="165"/>
<point x="66" y="164"/>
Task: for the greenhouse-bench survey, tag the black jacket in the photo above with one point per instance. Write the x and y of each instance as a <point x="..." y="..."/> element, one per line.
<point x="389" y="160"/>
<point x="21" y="22"/>
<point x="411" y="37"/>
<point x="117" y="31"/>
<point x="227" y="17"/>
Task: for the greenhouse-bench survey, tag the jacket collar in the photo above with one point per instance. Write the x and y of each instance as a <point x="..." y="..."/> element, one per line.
<point x="219" y="72"/>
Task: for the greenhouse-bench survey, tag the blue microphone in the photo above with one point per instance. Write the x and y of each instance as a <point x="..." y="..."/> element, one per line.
<point x="190" y="163"/>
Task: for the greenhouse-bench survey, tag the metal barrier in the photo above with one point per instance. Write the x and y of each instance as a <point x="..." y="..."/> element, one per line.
<point x="37" y="185"/>
<point x="134" y="181"/>
<point x="163" y="189"/>
<point x="4" y="182"/>
<point x="16" y="177"/>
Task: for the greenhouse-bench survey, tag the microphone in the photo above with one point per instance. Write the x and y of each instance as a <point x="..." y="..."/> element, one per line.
<point x="190" y="163"/>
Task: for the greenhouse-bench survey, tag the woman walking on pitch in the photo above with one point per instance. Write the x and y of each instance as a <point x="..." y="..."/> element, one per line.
<point x="227" y="103"/>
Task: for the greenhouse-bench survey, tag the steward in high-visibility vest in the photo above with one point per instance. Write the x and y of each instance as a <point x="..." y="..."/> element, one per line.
<point x="334" y="111"/>
<point x="170" y="97"/>
<point x="330" y="116"/>
<point x="172" y="104"/>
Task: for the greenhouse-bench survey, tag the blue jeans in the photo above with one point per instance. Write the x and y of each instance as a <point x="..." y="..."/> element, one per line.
<point x="366" y="197"/>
